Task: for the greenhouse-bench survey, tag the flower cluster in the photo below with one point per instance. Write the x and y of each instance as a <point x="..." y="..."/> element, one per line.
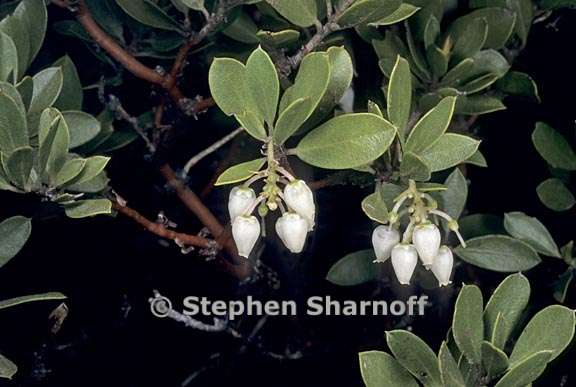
<point x="295" y="201"/>
<point x="421" y="237"/>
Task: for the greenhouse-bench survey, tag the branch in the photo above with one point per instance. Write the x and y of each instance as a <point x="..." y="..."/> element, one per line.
<point x="160" y="230"/>
<point x="321" y="33"/>
<point x="212" y="148"/>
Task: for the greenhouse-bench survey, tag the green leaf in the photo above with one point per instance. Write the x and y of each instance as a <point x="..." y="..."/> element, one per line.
<point x="479" y="83"/>
<point x="499" y="253"/>
<point x="341" y="74"/>
<point x="31" y="298"/>
<point x="553" y="147"/>
<point x="451" y="375"/>
<point x="19" y="165"/>
<point x="551" y="329"/>
<point x="83" y="127"/>
<point x="401" y="13"/>
<point x="458" y="73"/>
<point x="311" y="82"/>
<point x="413" y="167"/>
<point x="14" y="233"/>
<point x="449" y="150"/>
<point x="227" y="79"/>
<point x="375" y="208"/>
<point x="347" y="141"/>
<point x="196" y="5"/>
<point x="508" y="301"/>
<point x="72" y="169"/>
<point x="525" y="372"/>
<point x="72" y="95"/>
<point x="240" y="172"/>
<point x="7" y="368"/>
<point x="92" y="168"/>
<point x="47" y="87"/>
<point x="13" y="127"/>
<point x="470" y="39"/>
<point x="26" y="89"/>
<point x="242" y="29"/>
<point x="478" y="104"/>
<point x="431" y="31"/>
<point x="148" y="13"/>
<point x="561" y="286"/>
<point x="35" y="16"/>
<point x="554" y="194"/>
<point x="15" y="27"/>
<point x="477" y="159"/>
<point x="555" y="4"/>
<point x="303" y="13"/>
<point x="354" y="269"/>
<point x="291" y="119"/>
<point x="9" y="58"/>
<point x="415" y="355"/>
<point x="399" y="97"/>
<point x="380" y="369"/>
<point x="519" y="84"/>
<point x="95" y="185"/>
<point x="252" y="124"/>
<point x="500" y="25"/>
<point x="468" y="326"/>
<point x="263" y="84"/>
<point x="54" y="139"/>
<point x="431" y="127"/>
<point x="438" y="60"/>
<point x="480" y="224"/>
<point x="367" y="11"/>
<point x="278" y="39"/>
<point x="531" y="231"/>
<point x="87" y="208"/>
<point x="454" y="197"/>
<point x="494" y="360"/>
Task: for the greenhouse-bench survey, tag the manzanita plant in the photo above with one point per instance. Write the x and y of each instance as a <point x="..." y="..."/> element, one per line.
<point x="288" y="76"/>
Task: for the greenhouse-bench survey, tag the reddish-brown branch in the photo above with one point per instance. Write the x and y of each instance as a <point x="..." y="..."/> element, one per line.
<point x="194" y="204"/>
<point x="160" y="230"/>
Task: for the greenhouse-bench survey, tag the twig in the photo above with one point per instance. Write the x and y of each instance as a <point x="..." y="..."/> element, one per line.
<point x="160" y="230"/>
<point x="115" y="105"/>
<point x="321" y="33"/>
<point x="212" y="148"/>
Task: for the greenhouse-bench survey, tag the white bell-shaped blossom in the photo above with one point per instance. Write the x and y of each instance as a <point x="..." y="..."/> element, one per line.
<point x="442" y="266"/>
<point x="404" y="260"/>
<point x="292" y="230"/>
<point x="240" y="201"/>
<point x="246" y="231"/>
<point x="426" y="239"/>
<point x="384" y="239"/>
<point x="298" y="196"/>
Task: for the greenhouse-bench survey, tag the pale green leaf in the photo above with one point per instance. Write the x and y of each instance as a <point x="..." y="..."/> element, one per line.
<point x="302" y="13"/>
<point x="494" y="360"/>
<point x="429" y="130"/>
<point x="50" y="296"/>
<point x="451" y="375"/>
<point x="499" y="253"/>
<point x="401" y="13"/>
<point x="347" y="141"/>
<point x="240" y="172"/>
<point x="531" y="231"/>
<point x="83" y="127"/>
<point x="374" y="207"/>
<point x="553" y="147"/>
<point x="367" y="11"/>
<point x="380" y="369"/>
<point x="72" y="95"/>
<point x="467" y="325"/>
<point x="449" y="150"/>
<point x="500" y="25"/>
<point x="354" y="269"/>
<point x="8" y="59"/>
<point x="263" y="84"/>
<point x="87" y="208"/>
<point x="291" y="119"/>
<point x="413" y="167"/>
<point x="148" y="13"/>
<point x="47" y="87"/>
<point x="14" y="233"/>
<point x="69" y="171"/>
<point x="19" y="165"/>
<point x="399" y="97"/>
<point x="453" y="199"/>
<point x="13" y="126"/>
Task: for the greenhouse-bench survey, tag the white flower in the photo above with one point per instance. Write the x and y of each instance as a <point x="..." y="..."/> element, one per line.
<point x="442" y="267"/>
<point x="384" y="239"/>
<point x="404" y="260"/>
<point x="292" y="229"/>
<point x="241" y="200"/>
<point x="246" y="231"/>
<point x="299" y="198"/>
<point x="426" y="239"/>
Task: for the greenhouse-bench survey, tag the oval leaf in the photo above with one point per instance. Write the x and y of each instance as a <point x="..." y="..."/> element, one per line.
<point x="380" y="369"/>
<point x="354" y="269"/>
<point x="14" y="232"/>
<point x="531" y="231"/>
<point x="240" y="172"/>
<point x="468" y="326"/>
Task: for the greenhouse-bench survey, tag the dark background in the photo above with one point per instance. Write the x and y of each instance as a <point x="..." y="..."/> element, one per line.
<point x="109" y="267"/>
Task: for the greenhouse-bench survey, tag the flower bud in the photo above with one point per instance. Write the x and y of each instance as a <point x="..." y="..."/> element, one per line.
<point x="426" y="239"/>
<point x="246" y="231"/>
<point x="384" y="239"/>
<point x="240" y="201"/>
<point x="299" y="198"/>
<point x="404" y="260"/>
<point x="292" y="230"/>
<point x="442" y="266"/>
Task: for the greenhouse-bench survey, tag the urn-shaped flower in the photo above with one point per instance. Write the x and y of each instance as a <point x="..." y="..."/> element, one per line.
<point x="298" y="196"/>
<point x="246" y="231"/>
<point x="426" y="239"/>
<point x="384" y="239"/>
<point x="442" y="266"/>
<point x="292" y="230"/>
<point x="404" y="260"/>
<point x="240" y="201"/>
